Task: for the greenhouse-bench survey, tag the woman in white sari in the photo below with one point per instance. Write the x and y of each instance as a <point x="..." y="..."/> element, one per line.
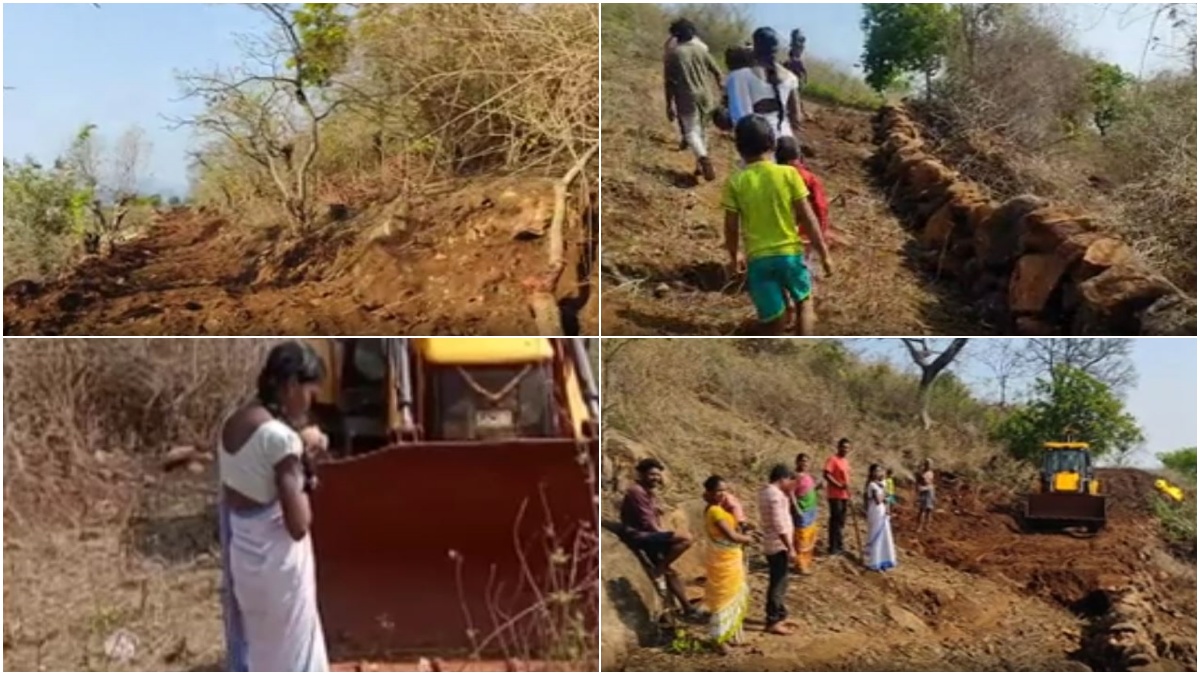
<point x="269" y="592"/>
<point x="765" y="87"/>
<point x="881" y="550"/>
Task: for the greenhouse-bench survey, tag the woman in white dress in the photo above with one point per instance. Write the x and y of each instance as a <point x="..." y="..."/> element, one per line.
<point x="269" y="594"/>
<point x="765" y="87"/>
<point x="881" y="549"/>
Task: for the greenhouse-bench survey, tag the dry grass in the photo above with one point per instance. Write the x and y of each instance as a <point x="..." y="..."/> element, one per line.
<point x="94" y="540"/>
<point x="736" y="407"/>
<point x="97" y="540"/>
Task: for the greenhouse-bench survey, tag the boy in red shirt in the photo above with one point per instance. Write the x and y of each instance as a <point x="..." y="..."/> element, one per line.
<point x="787" y="151"/>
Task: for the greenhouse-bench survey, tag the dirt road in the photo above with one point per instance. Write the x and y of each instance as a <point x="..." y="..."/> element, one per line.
<point x="664" y="259"/>
<point x="454" y="262"/>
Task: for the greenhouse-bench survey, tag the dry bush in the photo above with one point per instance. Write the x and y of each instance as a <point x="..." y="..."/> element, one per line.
<point x="492" y="85"/>
<point x="1018" y="80"/>
<point x="1151" y="155"/>
<point x="74" y="408"/>
<point x="728" y="407"/>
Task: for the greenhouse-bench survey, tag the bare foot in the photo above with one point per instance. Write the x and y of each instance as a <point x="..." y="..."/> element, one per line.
<point x="778" y="629"/>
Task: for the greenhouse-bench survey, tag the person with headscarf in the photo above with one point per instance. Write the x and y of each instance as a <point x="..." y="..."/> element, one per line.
<point x="765" y="88"/>
<point x="269" y="593"/>
<point x="687" y="71"/>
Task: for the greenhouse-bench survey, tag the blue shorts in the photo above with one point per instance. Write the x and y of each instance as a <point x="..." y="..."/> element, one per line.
<point x="772" y="280"/>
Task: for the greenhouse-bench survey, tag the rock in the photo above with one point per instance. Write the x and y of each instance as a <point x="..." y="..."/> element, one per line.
<point x="1044" y="230"/>
<point x="998" y="237"/>
<point x="1170" y="315"/>
<point x="1112" y="302"/>
<point x="1097" y="256"/>
<point x="905" y="619"/>
<point x="661" y="290"/>
<point x="1033" y="282"/>
<point x="195" y="467"/>
<point x="121" y="646"/>
<point x="629" y="605"/>
<point x="927" y="173"/>
<point x="1029" y="325"/>
<point x="938" y="228"/>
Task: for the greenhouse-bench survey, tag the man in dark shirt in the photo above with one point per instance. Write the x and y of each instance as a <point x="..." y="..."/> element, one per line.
<point x="640" y="517"/>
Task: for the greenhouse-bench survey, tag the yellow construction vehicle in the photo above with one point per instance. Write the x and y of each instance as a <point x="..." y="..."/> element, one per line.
<point x="453" y="462"/>
<point x="1068" y="493"/>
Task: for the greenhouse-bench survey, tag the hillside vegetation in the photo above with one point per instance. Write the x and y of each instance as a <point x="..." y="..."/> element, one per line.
<point x="974" y="592"/>
<point x="443" y="143"/>
<point x="1005" y="104"/>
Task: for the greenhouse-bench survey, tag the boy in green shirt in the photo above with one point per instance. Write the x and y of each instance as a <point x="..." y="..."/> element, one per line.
<point x="763" y="203"/>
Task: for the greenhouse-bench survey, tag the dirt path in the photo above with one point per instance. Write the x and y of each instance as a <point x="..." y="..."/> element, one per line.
<point x="456" y="262"/>
<point x="664" y="259"/>
<point x="974" y="594"/>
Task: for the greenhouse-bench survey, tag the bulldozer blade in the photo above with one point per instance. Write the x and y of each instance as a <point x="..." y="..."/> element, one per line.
<point x="426" y="549"/>
<point x="1059" y="509"/>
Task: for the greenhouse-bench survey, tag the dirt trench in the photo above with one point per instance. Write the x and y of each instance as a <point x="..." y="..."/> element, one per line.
<point x="461" y="261"/>
<point x="664" y="259"/>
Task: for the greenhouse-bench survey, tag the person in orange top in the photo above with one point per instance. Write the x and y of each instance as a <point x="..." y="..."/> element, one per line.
<point x="837" y="491"/>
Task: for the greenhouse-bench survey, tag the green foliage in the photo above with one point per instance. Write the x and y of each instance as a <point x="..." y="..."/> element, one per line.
<point x="1178" y="521"/>
<point x="835" y="84"/>
<point x="1181" y="461"/>
<point x="1070" y="401"/>
<point x="903" y="38"/>
<point x="1107" y="91"/>
<point x="45" y="209"/>
<point x="324" y="42"/>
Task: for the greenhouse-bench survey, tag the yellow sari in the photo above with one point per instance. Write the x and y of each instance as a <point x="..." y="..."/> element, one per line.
<point x="726" y="593"/>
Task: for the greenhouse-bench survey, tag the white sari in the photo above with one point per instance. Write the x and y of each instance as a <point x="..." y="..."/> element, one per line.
<point x="881" y="549"/>
<point x="272" y="623"/>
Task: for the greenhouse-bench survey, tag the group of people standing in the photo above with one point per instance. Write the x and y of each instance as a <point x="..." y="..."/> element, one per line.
<point x="789" y="513"/>
<point x="774" y="206"/>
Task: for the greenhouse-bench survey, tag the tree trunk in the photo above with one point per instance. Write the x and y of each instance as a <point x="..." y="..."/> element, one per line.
<point x="930" y="369"/>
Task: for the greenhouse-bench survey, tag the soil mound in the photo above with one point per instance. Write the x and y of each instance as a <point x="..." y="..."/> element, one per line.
<point x="459" y="261"/>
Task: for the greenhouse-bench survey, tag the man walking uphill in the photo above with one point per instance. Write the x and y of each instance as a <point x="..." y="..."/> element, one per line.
<point x="686" y="73"/>
<point x="777" y="543"/>
<point x="837" y="479"/>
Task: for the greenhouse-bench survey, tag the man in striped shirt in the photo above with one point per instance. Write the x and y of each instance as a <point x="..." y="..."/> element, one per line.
<point x="777" y="542"/>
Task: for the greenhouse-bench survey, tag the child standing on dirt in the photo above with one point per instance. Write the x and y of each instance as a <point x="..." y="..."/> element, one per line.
<point x="788" y="152"/>
<point x="763" y="204"/>
<point x="925" y="483"/>
<point x="889" y="488"/>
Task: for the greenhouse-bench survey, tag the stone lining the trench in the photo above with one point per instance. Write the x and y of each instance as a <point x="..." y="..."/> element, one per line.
<point x="1123" y="637"/>
<point x="1030" y="267"/>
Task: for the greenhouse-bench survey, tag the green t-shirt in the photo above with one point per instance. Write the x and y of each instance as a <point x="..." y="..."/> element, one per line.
<point x="762" y="195"/>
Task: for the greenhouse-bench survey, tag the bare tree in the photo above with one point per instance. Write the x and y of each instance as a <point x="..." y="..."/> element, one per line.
<point x="932" y="363"/>
<point x="128" y="160"/>
<point x="1006" y="360"/>
<point x="270" y="113"/>
<point x="1106" y="359"/>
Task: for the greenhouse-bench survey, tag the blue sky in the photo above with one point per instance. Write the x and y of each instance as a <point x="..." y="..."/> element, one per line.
<point x="72" y="64"/>
<point x="1163" y="400"/>
<point x="1114" y="32"/>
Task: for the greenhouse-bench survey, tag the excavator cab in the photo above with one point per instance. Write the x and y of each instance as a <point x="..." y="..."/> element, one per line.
<point x="1068" y="493"/>
<point x="457" y="487"/>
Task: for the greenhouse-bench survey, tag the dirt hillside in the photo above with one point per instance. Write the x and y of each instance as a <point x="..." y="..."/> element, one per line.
<point x="918" y="248"/>
<point x="458" y="260"/>
<point x="972" y="593"/>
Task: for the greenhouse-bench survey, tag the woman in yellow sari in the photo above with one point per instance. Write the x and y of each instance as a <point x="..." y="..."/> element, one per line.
<point x="804" y="515"/>
<point x="726" y="593"/>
